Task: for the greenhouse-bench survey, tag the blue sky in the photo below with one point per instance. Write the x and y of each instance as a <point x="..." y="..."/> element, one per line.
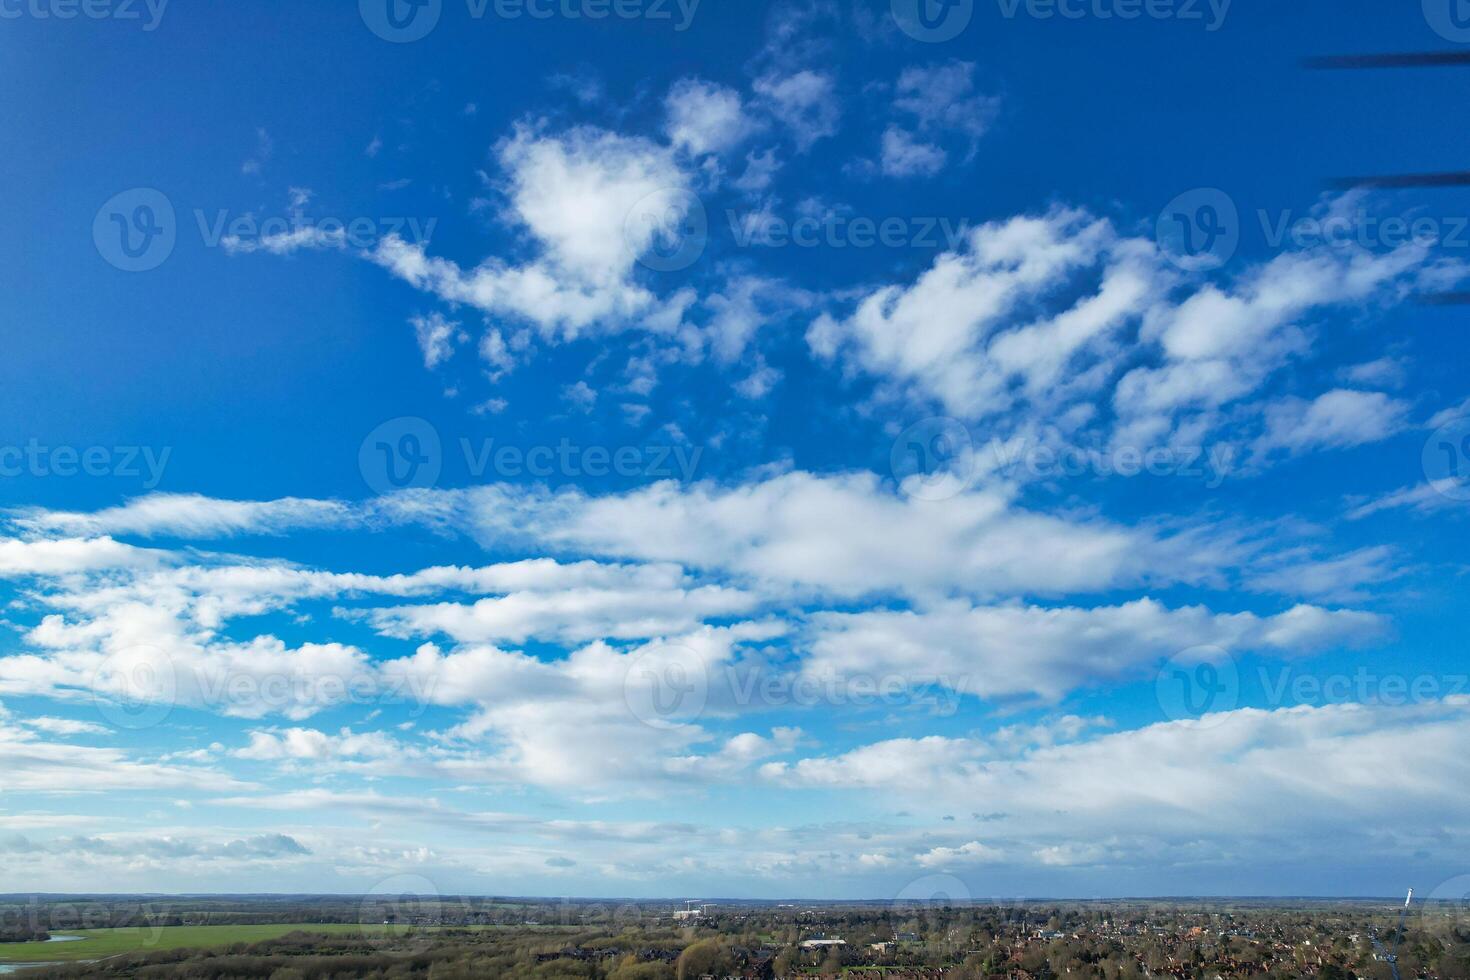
<point x="731" y="449"/>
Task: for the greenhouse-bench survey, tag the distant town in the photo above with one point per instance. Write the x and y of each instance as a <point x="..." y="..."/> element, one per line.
<point x="448" y="938"/>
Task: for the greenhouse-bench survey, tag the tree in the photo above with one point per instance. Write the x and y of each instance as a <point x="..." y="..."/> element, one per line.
<point x="708" y="956"/>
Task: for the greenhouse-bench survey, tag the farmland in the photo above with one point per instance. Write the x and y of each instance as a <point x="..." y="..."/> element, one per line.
<point x="100" y="943"/>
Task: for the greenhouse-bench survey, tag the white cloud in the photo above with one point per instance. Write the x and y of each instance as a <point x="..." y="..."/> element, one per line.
<point x="805" y="102"/>
<point x="760" y="171"/>
<point x="1423" y="498"/>
<point x="580" y="396"/>
<point x="65" y="727"/>
<point x="1385" y="372"/>
<point x="593" y="202"/>
<point x="189" y="515"/>
<point x="941" y="99"/>
<point x="1448" y="415"/>
<point x="264" y="148"/>
<point x="1303" y="780"/>
<point x="967" y="854"/>
<point x="904" y="156"/>
<point x="61" y="556"/>
<point x="309" y="744"/>
<point x="1219" y="346"/>
<point x="946" y="334"/>
<point x="1032" y="321"/>
<point x="1338" y="419"/>
<point x="1047" y="653"/>
<point x="704" y="117"/>
<point x="745" y="304"/>
<point x="287" y="242"/>
<point x="32" y="765"/>
<point x="437" y="337"/>
<point x="795" y="531"/>
<point x="1342" y="578"/>
<point x="567" y="616"/>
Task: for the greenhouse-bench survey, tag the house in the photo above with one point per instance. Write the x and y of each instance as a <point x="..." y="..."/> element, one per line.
<point x="821" y="942"/>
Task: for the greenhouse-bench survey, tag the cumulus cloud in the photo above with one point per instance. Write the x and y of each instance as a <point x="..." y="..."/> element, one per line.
<point x="805" y="102"/>
<point x="1047" y="653"/>
<point x="187" y="515"/>
<point x="32" y="765"/>
<point x="59" y="556"/>
<point x="437" y="337"/>
<point x="1293" y="776"/>
<point x="1030" y="318"/>
<point x="905" y="156"/>
<point x="704" y="117"/>
<point x="1338" y="419"/>
<point x="592" y="201"/>
<point x="794" y="530"/>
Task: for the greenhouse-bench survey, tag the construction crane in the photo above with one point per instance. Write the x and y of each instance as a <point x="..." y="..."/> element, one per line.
<point x="1392" y="959"/>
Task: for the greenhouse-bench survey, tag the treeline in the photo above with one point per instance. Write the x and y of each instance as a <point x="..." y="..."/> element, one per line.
<point x="445" y="955"/>
<point x="922" y="943"/>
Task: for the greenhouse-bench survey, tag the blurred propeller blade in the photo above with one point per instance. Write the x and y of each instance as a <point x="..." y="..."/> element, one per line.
<point x="1412" y="59"/>
<point x="1459" y="178"/>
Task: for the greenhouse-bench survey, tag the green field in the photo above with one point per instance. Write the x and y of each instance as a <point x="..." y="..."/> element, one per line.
<point x="97" y="943"/>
